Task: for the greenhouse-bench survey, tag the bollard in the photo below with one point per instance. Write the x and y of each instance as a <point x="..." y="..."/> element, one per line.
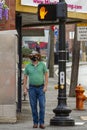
<point x="80" y="97"/>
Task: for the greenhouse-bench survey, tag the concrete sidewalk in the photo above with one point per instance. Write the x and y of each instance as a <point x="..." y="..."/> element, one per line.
<point x="24" y="121"/>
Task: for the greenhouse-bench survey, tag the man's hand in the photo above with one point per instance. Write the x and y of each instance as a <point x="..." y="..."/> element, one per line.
<point x="45" y="88"/>
<point x="25" y="91"/>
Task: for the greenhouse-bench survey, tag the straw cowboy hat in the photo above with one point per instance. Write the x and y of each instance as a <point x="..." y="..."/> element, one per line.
<point x="36" y="54"/>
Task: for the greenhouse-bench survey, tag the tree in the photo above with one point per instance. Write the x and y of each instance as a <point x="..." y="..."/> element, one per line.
<point x="75" y="65"/>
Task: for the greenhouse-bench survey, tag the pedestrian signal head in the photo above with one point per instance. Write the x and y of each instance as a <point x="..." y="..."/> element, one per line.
<point x="47" y="12"/>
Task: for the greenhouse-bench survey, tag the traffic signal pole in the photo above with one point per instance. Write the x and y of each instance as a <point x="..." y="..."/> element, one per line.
<point x="62" y="111"/>
<point x="46" y="13"/>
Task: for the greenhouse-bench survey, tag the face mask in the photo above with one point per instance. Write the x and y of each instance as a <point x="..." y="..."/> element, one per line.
<point x="34" y="58"/>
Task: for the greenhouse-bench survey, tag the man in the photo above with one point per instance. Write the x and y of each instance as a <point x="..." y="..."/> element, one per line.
<point x="38" y="47"/>
<point x="38" y="81"/>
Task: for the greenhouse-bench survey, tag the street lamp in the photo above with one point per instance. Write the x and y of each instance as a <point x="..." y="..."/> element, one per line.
<point x="62" y="111"/>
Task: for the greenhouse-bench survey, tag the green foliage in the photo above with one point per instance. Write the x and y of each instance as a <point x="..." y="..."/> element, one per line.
<point x="26" y="52"/>
<point x="25" y="62"/>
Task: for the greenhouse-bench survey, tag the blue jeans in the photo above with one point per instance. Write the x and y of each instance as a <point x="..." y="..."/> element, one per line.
<point x="36" y="95"/>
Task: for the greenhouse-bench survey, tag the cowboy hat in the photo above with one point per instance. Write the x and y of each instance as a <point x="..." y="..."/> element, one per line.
<point x="36" y="54"/>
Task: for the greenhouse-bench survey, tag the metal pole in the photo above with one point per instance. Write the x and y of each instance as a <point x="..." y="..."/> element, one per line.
<point x="62" y="111"/>
<point x="18" y="27"/>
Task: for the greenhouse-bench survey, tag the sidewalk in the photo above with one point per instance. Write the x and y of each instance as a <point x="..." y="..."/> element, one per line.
<point x="25" y="119"/>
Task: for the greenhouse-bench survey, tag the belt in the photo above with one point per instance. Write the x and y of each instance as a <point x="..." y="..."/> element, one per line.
<point x="37" y="86"/>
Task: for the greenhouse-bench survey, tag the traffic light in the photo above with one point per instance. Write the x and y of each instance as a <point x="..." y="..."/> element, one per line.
<point x="47" y="12"/>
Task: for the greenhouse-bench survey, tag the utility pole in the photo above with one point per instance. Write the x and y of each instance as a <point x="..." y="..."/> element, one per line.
<point x="62" y="111"/>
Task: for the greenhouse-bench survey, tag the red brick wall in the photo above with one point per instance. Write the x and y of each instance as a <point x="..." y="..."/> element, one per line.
<point x="10" y="23"/>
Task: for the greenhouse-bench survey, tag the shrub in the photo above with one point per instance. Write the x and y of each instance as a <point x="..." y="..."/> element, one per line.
<point x="26" y="52"/>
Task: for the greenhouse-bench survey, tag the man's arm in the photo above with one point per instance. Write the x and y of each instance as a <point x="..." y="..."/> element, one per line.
<point x="46" y="82"/>
<point x="25" y="84"/>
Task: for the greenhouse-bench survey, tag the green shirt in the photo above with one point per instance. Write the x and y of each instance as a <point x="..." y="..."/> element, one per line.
<point x="36" y="73"/>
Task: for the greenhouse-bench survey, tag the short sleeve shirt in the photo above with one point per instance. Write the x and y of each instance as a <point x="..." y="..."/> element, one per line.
<point x="36" y="73"/>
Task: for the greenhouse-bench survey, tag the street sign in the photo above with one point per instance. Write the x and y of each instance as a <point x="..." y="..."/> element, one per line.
<point x="56" y="32"/>
<point x="82" y="32"/>
<point x="47" y="12"/>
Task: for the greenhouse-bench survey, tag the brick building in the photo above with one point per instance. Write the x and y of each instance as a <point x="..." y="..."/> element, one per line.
<point x="10" y="23"/>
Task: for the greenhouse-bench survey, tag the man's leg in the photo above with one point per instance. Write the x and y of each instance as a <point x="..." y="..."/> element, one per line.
<point x="41" y="99"/>
<point x="33" y="103"/>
